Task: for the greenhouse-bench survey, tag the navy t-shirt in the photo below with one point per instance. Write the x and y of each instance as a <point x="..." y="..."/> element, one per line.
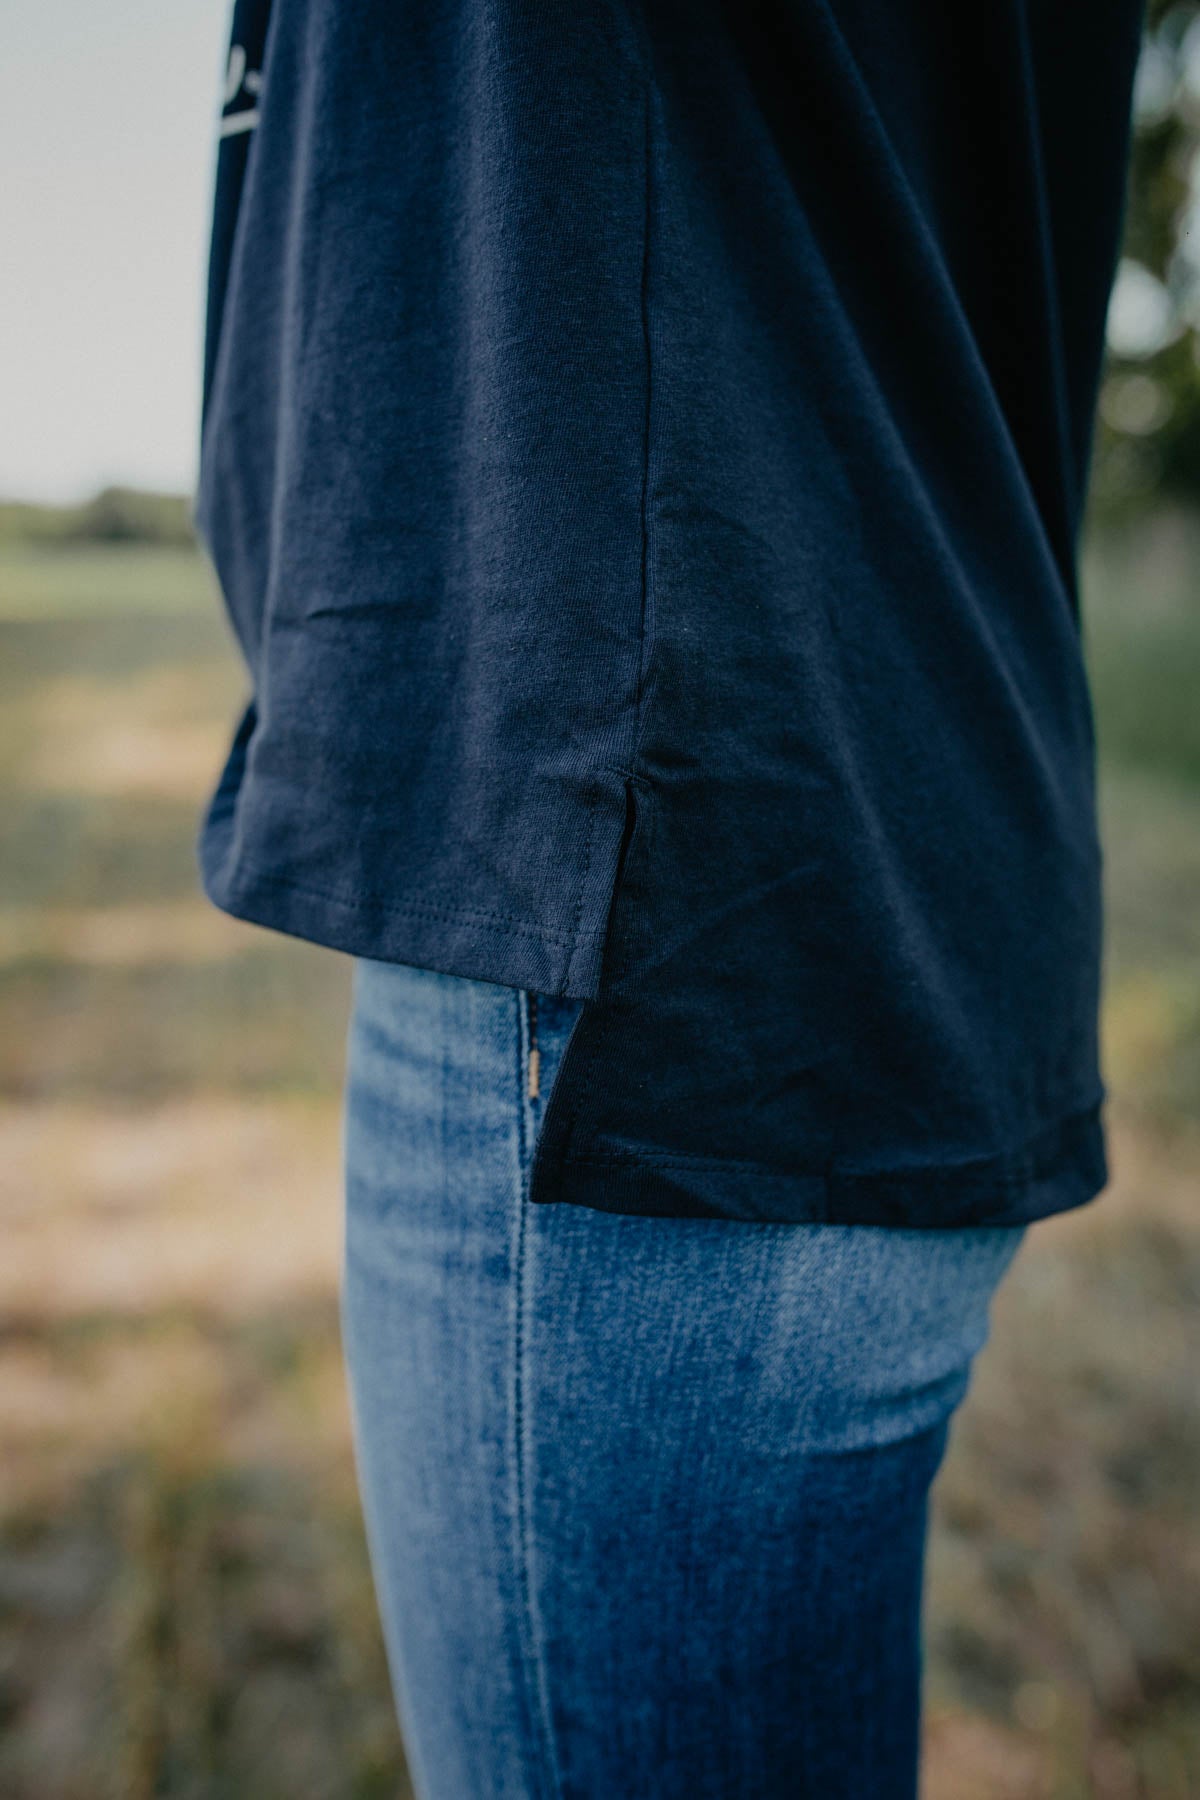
<point x="643" y="454"/>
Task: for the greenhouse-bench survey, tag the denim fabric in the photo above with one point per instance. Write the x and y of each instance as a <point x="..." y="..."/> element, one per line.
<point x="645" y="1497"/>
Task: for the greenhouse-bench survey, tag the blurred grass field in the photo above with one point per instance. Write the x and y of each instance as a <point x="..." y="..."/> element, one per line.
<point x="185" y="1607"/>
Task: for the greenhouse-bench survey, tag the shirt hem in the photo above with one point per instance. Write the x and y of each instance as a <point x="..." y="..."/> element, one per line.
<point x="430" y="935"/>
<point x="1064" y="1167"/>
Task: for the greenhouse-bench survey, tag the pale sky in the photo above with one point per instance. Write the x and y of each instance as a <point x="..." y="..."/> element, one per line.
<point x="107" y="144"/>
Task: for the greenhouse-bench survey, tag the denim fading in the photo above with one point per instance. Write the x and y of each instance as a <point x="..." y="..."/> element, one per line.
<point x="646" y="1498"/>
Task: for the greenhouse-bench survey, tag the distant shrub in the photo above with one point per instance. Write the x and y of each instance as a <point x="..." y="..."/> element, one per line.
<point x="132" y="516"/>
<point x="115" y="515"/>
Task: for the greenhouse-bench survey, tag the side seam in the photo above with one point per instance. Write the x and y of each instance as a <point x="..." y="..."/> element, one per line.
<point x="537" y="1699"/>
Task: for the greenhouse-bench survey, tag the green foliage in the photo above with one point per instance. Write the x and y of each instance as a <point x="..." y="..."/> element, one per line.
<point x="1142" y="624"/>
<point x="128" y="515"/>
<point x="1148" y="429"/>
<point x="115" y="515"/>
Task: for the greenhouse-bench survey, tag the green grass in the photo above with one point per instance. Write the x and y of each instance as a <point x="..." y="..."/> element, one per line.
<point x="41" y="582"/>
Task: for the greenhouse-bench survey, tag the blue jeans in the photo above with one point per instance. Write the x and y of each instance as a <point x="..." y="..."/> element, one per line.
<point x="645" y="1498"/>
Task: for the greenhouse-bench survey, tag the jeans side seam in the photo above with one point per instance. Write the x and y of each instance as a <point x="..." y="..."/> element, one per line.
<point x="533" y="1670"/>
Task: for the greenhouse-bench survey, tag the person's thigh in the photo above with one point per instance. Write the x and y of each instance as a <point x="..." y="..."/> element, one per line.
<point x="429" y="1299"/>
<point x="646" y="1498"/>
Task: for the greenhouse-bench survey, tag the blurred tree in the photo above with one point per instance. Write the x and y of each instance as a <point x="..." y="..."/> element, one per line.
<point x="131" y="515"/>
<point x="115" y="515"/>
<point x="1148" y="431"/>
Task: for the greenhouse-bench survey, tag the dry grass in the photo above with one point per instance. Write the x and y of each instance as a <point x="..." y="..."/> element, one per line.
<point x="185" y="1605"/>
<point x="185" y="1608"/>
